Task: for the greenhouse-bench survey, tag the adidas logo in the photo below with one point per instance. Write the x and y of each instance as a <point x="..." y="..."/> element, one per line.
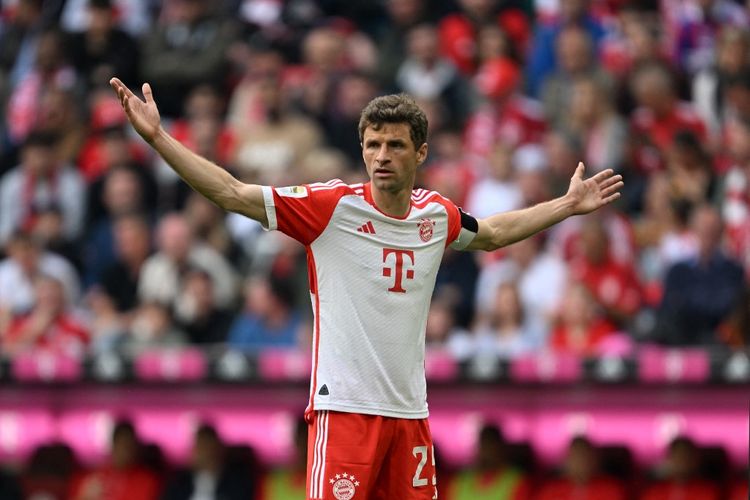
<point x="367" y="228"/>
<point x="323" y="390"/>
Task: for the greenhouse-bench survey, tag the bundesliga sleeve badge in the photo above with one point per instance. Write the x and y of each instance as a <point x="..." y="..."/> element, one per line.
<point x="292" y="191"/>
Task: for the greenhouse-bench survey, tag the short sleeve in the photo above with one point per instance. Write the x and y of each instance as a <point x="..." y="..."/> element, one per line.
<point x="302" y="212"/>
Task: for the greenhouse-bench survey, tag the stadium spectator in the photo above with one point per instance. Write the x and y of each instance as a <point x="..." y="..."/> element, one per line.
<point x="391" y="41"/>
<point x="59" y="115"/>
<point x="119" y="280"/>
<point x="289" y="483"/>
<point x="206" y="221"/>
<point x="505" y="114"/>
<point x="690" y="170"/>
<point x="50" y="71"/>
<point x="162" y="274"/>
<point x="709" y="86"/>
<point x="426" y="74"/>
<point x="592" y="119"/>
<point x="50" y="325"/>
<point x="269" y="148"/>
<point x="735" y="191"/>
<point x="448" y="170"/>
<point x="40" y="181"/>
<point x="461" y="32"/>
<point x="581" y="478"/>
<point x="442" y="331"/>
<point x="102" y="49"/>
<point x="659" y="116"/>
<point x="123" y="191"/>
<point x="48" y="472"/>
<point x="635" y="40"/>
<point x="491" y="476"/>
<point x="187" y="48"/>
<point x="681" y="478"/>
<point x="209" y="476"/>
<point x="48" y="232"/>
<point x="614" y="285"/>
<point x="581" y="329"/>
<point x="505" y="331"/>
<point x="122" y="477"/>
<point x="108" y="328"/>
<point x="152" y="327"/>
<point x="541" y="278"/>
<point x="498" y="191"/>
<point x="268" y="319"/>
<point x="575" y="56"/>
<point x="700" y="293"/>
<point x="25" y="261"/>
<point x="196" y="312"/>
<point x="542" y="58"/>
<point x="134" y="16"/>
<point x="697" y="24"/>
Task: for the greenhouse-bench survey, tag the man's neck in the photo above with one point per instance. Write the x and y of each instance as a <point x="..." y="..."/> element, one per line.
<point x="393" y="204"/>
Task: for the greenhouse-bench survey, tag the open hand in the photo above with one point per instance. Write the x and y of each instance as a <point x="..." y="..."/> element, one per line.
<point x="144" y="116"/>
<point x="597" y="191"/>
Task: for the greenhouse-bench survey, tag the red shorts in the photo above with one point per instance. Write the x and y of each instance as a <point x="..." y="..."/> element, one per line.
<point x="356" y="456"/>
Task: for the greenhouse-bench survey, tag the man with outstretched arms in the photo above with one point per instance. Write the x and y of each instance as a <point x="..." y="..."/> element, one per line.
<point x="373" y="253"/>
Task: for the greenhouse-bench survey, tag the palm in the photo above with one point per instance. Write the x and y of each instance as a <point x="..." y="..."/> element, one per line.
<point x="589" y="194"/>
<point x="144" y="116"/>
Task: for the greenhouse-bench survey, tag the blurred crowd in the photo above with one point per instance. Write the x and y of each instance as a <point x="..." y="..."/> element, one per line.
<point x="105" y="248"/>
<point x="499" y="470"/>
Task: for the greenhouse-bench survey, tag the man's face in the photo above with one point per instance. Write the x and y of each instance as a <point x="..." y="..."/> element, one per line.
<point x="391" y="157"/>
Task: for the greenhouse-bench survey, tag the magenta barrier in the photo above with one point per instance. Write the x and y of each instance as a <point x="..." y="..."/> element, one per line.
<point x="657" y="364"/>
<point x="186" y="364"/>
<point x="643" y="418"/>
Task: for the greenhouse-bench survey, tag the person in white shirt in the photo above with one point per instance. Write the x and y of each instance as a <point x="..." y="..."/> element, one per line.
<point x="373" y="254"/>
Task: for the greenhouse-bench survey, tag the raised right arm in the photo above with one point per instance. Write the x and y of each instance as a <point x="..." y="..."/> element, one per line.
<point x="209" y="179"/>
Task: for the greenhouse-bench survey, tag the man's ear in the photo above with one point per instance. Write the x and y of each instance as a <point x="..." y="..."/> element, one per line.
<point x="422" y="153"/>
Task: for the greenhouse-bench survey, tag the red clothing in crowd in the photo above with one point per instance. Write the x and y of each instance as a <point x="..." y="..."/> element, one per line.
<point x="614" y="284"/>
<point x="517" y="121"/>
<point x="598" y="488"/>
<point x="740" y="491"/>
<point x="692" y="490"/>
<point x="64" y="335"/>
<point x="561" y="339"/>
<point x="224" y="145"/>
<point x="654" y="134"/>
<point x="117" y="484"/>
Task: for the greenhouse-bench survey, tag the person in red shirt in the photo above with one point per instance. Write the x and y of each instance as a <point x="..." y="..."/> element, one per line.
<point x="614" y="284"/>
<point x="49" y="325"/>
<point x="659" y="116"/>
<point x="581" y="478"/>
<point x="682" y="479"/>
<point x="123" y="477"/>
<point x="581" y="328"/>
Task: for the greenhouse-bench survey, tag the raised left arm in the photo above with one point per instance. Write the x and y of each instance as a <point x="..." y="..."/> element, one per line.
<point x="583" y="196"/>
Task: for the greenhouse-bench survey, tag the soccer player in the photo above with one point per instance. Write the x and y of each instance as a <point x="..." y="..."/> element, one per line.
<point x="373" y="253"/>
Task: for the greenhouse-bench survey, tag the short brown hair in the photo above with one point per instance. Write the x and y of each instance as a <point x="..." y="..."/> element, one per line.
<point x="395" y="108"/>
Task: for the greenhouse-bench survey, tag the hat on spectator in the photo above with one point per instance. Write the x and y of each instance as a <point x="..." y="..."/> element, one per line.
<point x="498" y="77"/>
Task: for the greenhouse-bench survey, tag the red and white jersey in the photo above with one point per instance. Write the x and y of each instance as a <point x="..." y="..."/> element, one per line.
<point x="371" y="280"/>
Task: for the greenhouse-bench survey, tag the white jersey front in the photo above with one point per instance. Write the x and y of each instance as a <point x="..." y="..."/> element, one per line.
<point x="371" y="280"/>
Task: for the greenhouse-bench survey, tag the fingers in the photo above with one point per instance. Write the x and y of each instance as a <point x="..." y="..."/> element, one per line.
<point x="579" y="170"/>
<point x="611" y="198"/>
<point x="147" y="93"/>
<point x="120" y="88"/>
<point x="611" y="189"/>
<point x="610" y="181"/>
<point x="603" y="175"/>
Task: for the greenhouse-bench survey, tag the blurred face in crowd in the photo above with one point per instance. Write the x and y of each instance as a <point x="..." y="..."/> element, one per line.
<point x="190" y="11"/>
<point x="574" y="50"/>
<point x="207" y="451"/>
<point x="423" y="44"/>
<point x="577" y="306"/>
<point x="404" y="12"/>
<point x="585" y="102"/>
<point x="508" y="307"/>
<point x="653" y="89"/>
<point x="132" y="239"/>
<point x="38" y="159"/>
<point x="523" y="252"/>
<point x="733" y="49"/>
<point x="391" y="158"/>
<point x="580" y="462"/>
<point x="25" y="253"/>
<point x="478" y="9"/>
<point x="594" y="240"/>
<point x="124" y="447"/>
<point x="101" y="20"/>
<point x="682" y="460"/>
<point x="571" y="10"/>
<point x="175" y="237"/>
<point x="200" y="289"/>
<point x="439" y="321"/>
<point x="501" y="163"/>
<point x="48" y="52"/>
<point x="152" y="321"/>
<point x="50" y="294"/>
<point x="122" y="191"/>
<point x="492" y="42"/>
<point x="323" y="49"/>
<point x="738" y="141"/>
<point x="706" y="225"/>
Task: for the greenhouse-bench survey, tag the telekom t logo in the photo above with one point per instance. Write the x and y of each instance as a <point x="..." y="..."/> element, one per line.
<point x="399" y="261"/>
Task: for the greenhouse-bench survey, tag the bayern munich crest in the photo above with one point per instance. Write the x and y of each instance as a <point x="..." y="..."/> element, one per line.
<point x="344" y="486"/>
<point x="426" y="229"/>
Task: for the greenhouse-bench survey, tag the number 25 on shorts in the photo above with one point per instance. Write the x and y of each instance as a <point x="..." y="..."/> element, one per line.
<point x="420" y="453"/>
